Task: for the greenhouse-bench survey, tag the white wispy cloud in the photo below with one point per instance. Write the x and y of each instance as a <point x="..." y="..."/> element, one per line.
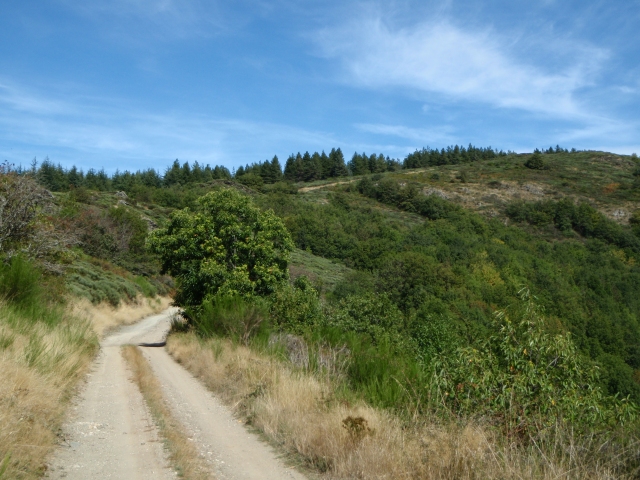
<point x="132" y="21"/>
<point x="112" y="133"/>
<point x="438" y="57"/>
<point x="424" y="136"/>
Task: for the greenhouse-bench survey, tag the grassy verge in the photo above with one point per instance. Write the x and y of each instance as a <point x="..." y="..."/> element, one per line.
<point x="46" y="346"/>
<point x="40" y="362"/>
<point x="183" y="455"/>
<point x="309" y="416"/>
<point x="105" y="318"/>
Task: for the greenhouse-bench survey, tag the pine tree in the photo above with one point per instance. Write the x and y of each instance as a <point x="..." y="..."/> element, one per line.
<point x="172" y="174"/>
<point x="291" y="168"/>
<point x="338" y="167"/>
<point x="276" y="169"/>
<point x="325" y="160"/>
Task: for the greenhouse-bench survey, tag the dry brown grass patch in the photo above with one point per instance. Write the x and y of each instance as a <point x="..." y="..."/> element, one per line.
<point x="302" y="413"/>
<point x="39" y="367"/>
<point x="182" y="453"/>
<point x="105" y="318"/>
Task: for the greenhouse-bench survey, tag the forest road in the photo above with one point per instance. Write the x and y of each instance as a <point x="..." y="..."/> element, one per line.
<point x="110" y="433"/>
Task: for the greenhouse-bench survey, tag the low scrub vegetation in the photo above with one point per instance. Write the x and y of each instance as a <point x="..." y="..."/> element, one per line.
<point x="523" y="383"/>
<point x="311" y="416"/>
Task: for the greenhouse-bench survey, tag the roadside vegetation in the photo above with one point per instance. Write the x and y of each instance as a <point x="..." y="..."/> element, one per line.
<point x="48" y="335"/>
<point x="464" y="297"/>
<point x="43" y="352"/>
<point x="523" y="382"/>
<point x="311" y="415"/>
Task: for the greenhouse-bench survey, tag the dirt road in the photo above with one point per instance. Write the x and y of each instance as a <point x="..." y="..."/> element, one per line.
<point x="110" y="433"/>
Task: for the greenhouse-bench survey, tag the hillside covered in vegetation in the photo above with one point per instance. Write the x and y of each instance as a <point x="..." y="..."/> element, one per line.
<point x="455" y="238"/>
<point x="464" y="280"/>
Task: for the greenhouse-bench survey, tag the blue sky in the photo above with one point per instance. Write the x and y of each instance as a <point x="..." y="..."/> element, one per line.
<point x="133" y="84"/>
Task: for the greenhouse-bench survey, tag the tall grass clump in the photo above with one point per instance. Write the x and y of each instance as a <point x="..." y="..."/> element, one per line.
<point x="44" y="350"/>
<point x="20" y="282"/>
<point x="25" y="290"/>
<point x="232" y="316"/>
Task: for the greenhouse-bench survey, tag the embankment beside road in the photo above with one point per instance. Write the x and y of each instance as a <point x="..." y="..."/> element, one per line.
<point x="315" y="419"/>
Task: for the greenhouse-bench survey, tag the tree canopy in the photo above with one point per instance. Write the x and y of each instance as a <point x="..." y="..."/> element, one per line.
<point x="226" y="246"/>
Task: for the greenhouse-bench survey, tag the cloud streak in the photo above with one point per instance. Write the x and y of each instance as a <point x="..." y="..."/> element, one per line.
<point x="158" y="19"/>
<point x="89" y="132"/>
<point x="437" y="135"/>
<point x="439" y="58"/>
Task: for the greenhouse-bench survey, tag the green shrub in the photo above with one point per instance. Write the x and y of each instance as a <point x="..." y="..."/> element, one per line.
<point x="232" y="316"/>
<point x="527" y="379"/>
<point x="147" y="289"/>
<point x="296" y="308"/>
<point x="251" y="180"/>
<point x="434" y="334"/>
<point x="373" y="316"/>
<point x="386" y="376"/>
<point x="535" y="162"/>
<point x="20" y="282"/>
<point x="80" y="195"/>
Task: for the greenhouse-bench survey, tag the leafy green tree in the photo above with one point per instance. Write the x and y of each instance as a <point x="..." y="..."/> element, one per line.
<point x="226" y="246"/>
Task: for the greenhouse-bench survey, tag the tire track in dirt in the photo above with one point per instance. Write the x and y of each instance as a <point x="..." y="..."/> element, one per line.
<point x="111" y="435"/>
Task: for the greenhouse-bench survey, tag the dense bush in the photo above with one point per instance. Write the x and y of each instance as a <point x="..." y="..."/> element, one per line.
<point x="30" y="294"/>
<point x="527" y="379"/>
<point x="536" y="162"/>
<point x="234" y="316"/>
<point x="296" y="307"/>
<point x="227" y="246"/>
<point x="20" y="282"/>
<point x="461" y="267"/>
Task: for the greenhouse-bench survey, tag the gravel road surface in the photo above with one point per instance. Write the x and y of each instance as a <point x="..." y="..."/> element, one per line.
<point x="110" y="433"/>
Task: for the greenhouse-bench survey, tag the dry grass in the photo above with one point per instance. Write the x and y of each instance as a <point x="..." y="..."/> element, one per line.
<point x="105" y="318"/>
<point x="39" y="366"/>
<point x="301" y="413"/>
<point x="182" y="453"/>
